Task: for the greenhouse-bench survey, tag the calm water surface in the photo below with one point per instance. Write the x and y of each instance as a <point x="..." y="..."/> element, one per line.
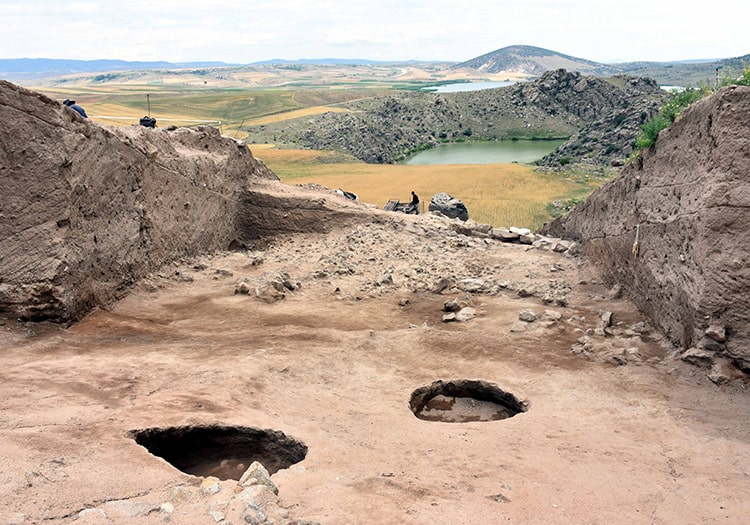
<point x="467" y="86"/>
<point x="521" y="151"/>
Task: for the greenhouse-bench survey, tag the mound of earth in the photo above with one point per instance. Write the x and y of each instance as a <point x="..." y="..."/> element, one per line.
<point x="670" y="229"/>
<point x="87" y="210"/>
<point x="558" y="104"/>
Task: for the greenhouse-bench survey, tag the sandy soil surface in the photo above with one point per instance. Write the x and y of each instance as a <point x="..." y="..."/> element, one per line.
<point x="334" y="364"/>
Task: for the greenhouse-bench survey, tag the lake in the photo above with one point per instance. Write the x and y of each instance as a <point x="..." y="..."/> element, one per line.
<point x="501" y="151"/>
<point x="466" y="86"/>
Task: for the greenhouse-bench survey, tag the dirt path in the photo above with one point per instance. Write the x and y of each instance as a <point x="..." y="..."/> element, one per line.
<point x="334" y="365"/>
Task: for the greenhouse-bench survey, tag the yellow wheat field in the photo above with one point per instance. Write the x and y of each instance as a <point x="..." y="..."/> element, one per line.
<point x="503" y="195"/>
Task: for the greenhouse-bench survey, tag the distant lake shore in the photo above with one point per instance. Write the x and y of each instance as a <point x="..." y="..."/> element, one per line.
<point x="483" y="152"/>
<point x="459" y="87"/>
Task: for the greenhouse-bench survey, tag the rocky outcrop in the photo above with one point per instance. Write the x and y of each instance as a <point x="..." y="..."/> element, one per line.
<point x="449" y="206"/>
<point x="610" y="139"/>
<point x="558" y="104"/>
<point x="87" y="210"/>
<point x="671" y="228"/>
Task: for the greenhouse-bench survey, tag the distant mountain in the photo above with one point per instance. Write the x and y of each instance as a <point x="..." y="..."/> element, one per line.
<point x="533" y="61"/>
<point x="687" y="72"/>
<point x="333" y="62"/>
<point x="24" y="68"/>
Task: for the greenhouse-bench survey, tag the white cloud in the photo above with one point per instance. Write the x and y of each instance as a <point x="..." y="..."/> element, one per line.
<point x="240" y="31"/>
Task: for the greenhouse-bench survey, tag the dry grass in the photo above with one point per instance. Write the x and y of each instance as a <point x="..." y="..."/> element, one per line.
<point x="499" y="194"/>
<point x="279" y="117"/>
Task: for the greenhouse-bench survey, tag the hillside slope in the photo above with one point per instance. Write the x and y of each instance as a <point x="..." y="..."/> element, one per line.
<point x="385" y="129"/>
<point x="533" y="61"/>
<point x="686" y="206"/>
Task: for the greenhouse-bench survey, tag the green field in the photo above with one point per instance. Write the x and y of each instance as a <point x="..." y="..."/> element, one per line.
<point x="227" y="108"/>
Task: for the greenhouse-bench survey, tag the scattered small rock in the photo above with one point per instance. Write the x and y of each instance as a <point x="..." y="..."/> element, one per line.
<point x="723" y="372"/>
<point x="499" y="498"/>
<point x="474" y="285"/>
<point x="465" y="314"/>
<point x="504" y="235"/>
<point x="210" y="486"/>
<point x="615" y="292"/>
<point x="717" y="333"/>
<point x="561" y="246"/>
<point x="85" y="513"/>
<point x="602" y="326"/>
<point x="129" y="508"/>
<point x="254" y="514"/>
<point x="698" y="357"/>
<point x="442" y="285"/>
<point x="451" y="306"/>
<point x="257" y="474"/>
<point x="712" y="345"/>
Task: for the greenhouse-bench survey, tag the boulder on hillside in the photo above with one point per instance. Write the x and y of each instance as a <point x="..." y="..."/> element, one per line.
<point x="671" y="227"/>
<point x="448" y="206"/>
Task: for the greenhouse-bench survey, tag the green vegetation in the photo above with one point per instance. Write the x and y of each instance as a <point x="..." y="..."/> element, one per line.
<point x="731" y="78"/>
<point x="678" y="100"/>
<point x="174" y="104"/>
<point x="560" y="208"/>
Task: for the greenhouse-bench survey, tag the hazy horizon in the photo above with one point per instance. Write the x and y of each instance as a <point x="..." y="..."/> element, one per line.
<point x="351" y="59"/>
<point x="231" y="31"/>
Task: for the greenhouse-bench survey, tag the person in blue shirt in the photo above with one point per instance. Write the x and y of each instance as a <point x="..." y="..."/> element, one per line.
<point x="72" y="105"/>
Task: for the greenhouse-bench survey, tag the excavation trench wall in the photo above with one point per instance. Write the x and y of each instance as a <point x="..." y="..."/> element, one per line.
<point x="86" y="210"/>
<point x="687" y="204"/>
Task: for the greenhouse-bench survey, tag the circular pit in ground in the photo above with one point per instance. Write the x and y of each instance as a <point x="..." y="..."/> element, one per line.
<point x="221" y="451"/>
<point x="464" y="400"/>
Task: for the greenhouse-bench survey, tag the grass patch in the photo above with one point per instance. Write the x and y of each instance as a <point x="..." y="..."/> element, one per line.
<point x="228" y="109"/>
<point x="298" y="113"/>
<point x="499" y="194"/>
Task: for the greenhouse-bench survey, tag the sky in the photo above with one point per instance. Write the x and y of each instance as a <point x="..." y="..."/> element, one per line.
<point x="445" y="30"/>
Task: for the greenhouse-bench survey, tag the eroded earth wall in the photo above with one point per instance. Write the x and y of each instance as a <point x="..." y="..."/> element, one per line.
<point x="672" y="228"/>
<point x="86" y="210"/>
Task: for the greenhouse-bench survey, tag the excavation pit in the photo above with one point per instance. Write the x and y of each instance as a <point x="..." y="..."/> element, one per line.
<point x="463" y="401"/>
<point x="221" y="451"/>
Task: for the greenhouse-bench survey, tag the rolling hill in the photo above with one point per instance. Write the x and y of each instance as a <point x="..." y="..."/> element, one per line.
<point x="517" y="61"/>
<point x="533" y="61"/>
<point x="29" y="68"/>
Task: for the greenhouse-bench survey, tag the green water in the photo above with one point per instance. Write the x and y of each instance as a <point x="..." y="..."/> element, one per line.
<point x="521" y="151"/>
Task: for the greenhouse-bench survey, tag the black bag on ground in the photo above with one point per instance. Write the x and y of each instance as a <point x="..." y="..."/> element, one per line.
<point x="148" y="122"/>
